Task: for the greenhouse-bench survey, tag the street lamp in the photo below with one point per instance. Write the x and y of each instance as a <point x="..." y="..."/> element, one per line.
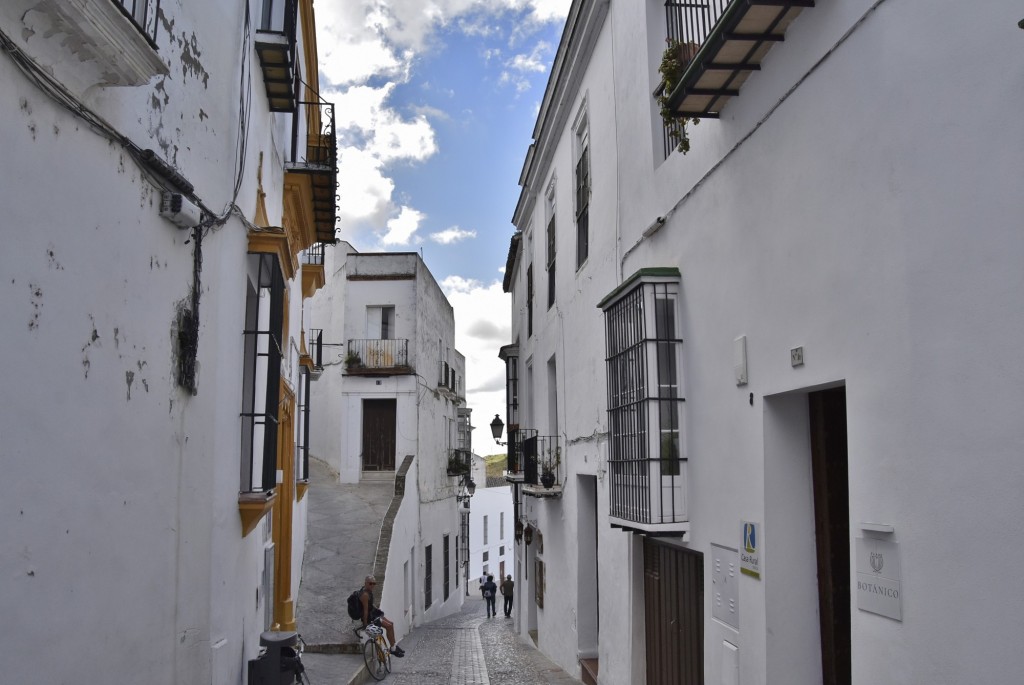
<point x="496" y="427"/>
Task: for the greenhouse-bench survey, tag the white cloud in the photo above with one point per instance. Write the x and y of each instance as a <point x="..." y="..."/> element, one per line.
<point x="535" y="61"/>
<point x="451" y="235"/>
<point x="400" y="229"/>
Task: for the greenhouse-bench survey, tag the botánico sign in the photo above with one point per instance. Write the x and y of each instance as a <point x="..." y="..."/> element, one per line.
<point x="878" y="578"/>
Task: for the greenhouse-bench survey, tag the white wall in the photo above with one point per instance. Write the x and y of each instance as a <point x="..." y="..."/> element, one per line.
<point x="492" y="503"/>
<point x="112" y="466"/>
<point x="888" y="247"/>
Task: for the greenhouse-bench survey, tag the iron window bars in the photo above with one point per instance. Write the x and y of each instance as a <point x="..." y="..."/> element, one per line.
<point x="264" y="320"/>
<point x="646" y="464"/>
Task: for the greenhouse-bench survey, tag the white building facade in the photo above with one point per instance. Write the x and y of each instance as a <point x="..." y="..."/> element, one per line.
<point x="750" y="367"/>
<point x="390" y="397"/>
<point x="165" y="164"/>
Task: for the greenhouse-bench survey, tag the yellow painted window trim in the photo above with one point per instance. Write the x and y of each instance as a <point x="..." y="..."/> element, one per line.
<point x="253" y="506"/>
<point x="312" y="279"/>
<point x="274" y="240"/>
<point x="300" y="489"/>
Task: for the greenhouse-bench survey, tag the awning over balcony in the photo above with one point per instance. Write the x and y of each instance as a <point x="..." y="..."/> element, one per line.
<point x="742" y="32"/>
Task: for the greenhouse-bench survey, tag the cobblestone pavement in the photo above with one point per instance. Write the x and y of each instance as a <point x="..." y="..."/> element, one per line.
<point x="470" y="649"/>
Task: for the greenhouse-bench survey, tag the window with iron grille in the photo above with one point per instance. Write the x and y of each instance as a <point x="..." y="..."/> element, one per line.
<point x="582" y="184"/>
<point x="529" y="300"/>
<point x="142" y="13"/>
<point x="643" y="351"/>
<point x="428" y="577"/>
<point x="551" y="243"/>
<point x="447" y="566"/>
<point x="486" y="556"/>
<point x="485" y="530"/>
<point x="264" y="319"/>
<point x="302" y="446"/>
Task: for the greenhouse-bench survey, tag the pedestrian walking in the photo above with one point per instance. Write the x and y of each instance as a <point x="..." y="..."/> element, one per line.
<point x="507" y="588"/>
<point x="483" y="579"/>
<point x="490" y="589"/>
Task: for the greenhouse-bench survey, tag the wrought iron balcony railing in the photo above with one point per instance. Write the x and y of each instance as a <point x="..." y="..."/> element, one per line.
<point x="142" y="13"/>
<point x="542" y="465"/>
<point x="314" y="255"/>
<point x="516" y="438"/>
<point x="721" y="42"/>
<point x="377" y="356"/>
<point x="313" y="151"/>
<point x="459" y="462"/>
<point x="316" y="347"/>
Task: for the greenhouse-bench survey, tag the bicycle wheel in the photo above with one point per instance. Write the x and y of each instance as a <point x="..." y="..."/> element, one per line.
<point x="374" y="665"/>
<point x="385" y="652"/>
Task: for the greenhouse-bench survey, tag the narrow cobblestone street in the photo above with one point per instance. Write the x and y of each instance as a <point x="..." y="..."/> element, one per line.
<point x="464" y="649"/>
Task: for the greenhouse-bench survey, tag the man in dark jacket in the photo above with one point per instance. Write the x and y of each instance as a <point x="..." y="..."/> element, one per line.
<point x="490" y="589"/>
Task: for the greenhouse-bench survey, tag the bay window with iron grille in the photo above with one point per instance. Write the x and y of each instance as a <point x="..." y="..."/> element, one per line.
<point x="264" y="318"/>
<point x="647" y="463"/>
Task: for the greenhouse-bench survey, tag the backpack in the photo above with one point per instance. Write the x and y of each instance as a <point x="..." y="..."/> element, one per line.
<point x="355" y="605"/>
<point x="488" y="594"/>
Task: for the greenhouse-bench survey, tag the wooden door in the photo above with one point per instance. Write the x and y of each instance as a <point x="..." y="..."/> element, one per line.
<point x="829" y="471"/>
<point x="674" y="605"/>
<point x="379" y="435"/>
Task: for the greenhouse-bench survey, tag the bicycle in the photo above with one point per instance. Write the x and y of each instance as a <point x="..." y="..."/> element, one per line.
<point x="376" y="650"/>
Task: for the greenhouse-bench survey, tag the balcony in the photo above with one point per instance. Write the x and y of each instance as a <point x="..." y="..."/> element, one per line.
<point x="275" y="46"/>
<point x="722" y="42"/>
<point x="312" y="352"/>
<point x="313" y="277"/>
<point x="542" y="466"/>
<point x="377" y="358"/>
<point x="459" y="463"/>
<point x="516" y="438"/>
<point x="312" y="162"/>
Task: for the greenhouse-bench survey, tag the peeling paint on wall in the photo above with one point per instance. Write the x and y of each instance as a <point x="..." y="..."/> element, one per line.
<point x="37" y="305"/>
<point x="86" y="364"/>
<point x="129" y="377"/>
<point x="52" y="255"/>
<point x="190" y="63"/>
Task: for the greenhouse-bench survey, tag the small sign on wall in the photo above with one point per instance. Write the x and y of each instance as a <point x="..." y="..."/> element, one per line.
<point x="750" y="550"/>
<point x="878" y="578"/>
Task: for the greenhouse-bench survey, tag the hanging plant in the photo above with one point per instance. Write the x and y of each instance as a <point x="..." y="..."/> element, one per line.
<point x="673" y="64"/>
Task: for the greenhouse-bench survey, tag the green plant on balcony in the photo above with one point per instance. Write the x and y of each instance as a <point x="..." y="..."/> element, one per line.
<point x="673" y="64"/>
<point x="353" y="359"/>
<point x="457" y="466"/>
<point x="549" y="466"/>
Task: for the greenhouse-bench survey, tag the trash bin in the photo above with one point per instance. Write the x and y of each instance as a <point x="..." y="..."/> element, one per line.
<point x="279" y="662"/>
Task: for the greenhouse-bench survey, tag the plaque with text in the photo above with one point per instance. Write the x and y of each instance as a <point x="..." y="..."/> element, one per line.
<point x="878" y="578"/>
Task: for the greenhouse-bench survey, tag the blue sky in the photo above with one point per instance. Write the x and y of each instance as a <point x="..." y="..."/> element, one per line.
<point x="435" y="104"/>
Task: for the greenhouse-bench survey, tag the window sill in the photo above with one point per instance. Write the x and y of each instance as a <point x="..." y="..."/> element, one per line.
<point x="253" y="506"/>
<point x="300" y="489"/>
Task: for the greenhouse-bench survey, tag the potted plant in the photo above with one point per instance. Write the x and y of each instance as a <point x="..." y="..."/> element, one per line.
<point x="549" y="466"/>
<point x="353" y="359"/>
<point x="674" y="60"/>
